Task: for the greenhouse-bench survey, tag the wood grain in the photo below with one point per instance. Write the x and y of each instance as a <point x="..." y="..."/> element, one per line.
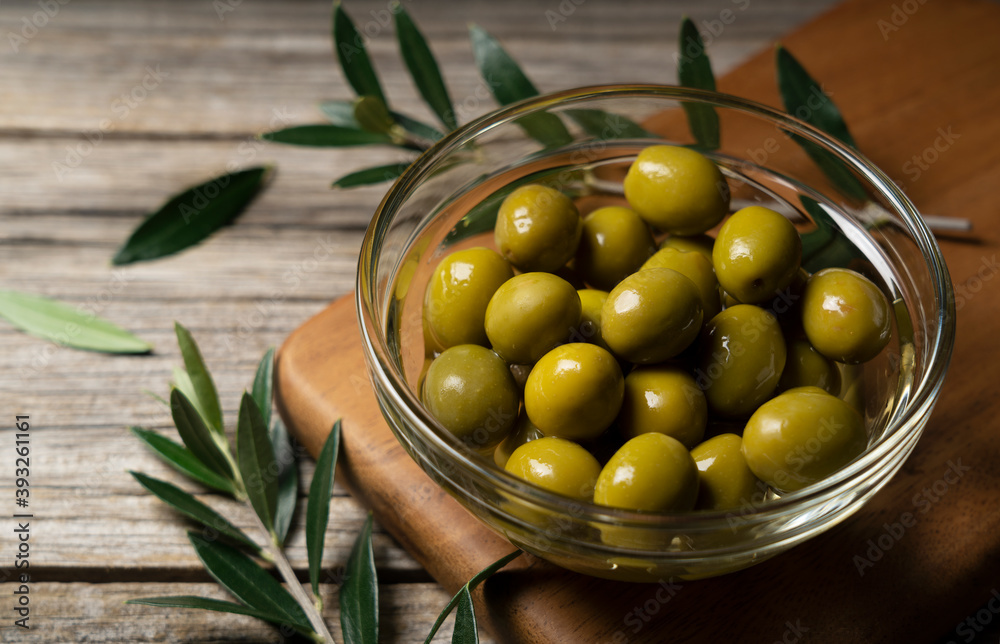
<point x="903" y="94"/>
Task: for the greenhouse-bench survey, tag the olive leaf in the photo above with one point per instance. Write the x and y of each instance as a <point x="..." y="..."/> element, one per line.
<point x="359" y="594"/>
<point x="63" y="324"/>
<point x="340" y="113"/>
<point x="372" y="115"/>
<point x="423" y="67"/>
<point x="261" y="390"/>
<point x="605" y="125"/>
<point x="196" y="434"/>
<point x="477" y="579"/>
<point x="192" y="215"/>
<point x="353" y="56"/>
<point x="183" y="460"/>
<point x="256" y="462"/>
<point x="199" y="380"/>
<point x="370" y="176"/>
<point x="288" y="480"/>
<point x="318" y="505"/>
<point x="694" y="70"/>
<point x="327" y="136"/>
<point x="465" y="620"/>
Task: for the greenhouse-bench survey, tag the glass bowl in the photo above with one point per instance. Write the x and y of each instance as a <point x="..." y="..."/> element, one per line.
<point x="849" y="214"/>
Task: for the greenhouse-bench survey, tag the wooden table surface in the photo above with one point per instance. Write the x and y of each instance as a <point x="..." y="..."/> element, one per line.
<point x="216" y="74"/>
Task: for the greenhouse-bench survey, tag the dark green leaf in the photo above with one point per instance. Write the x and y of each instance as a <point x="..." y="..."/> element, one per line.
<point x="605" y="125"/>
<point x="465" y="620"/>
<point x="479" y="578"/>
<point x="694" y="70"/>
<point x="835" y="170"/>
<point x="805" y="99"/>
<point x="196" y="435"/>
<point x="256" y="460"/>
<point x="370" y="176"/>
<point x="326" y="136"/>
<point x="318" y="507"/>
<point x="66" y="325"/>
<point x="193" y="508"/>
<point x="509" y="84"/>
<point x="183" y="460"/>
<point x="372" y="114"/>
<point x="219" y="606"/>
<point x="353" y="56"/>
<point x="262" y="385"/>
<point x="247" y="581"/>
<point x="417" y="128"/>
<point x="359" y="594"/>
<point x="206" y="397"/>
<point x="191" y="216"/>
<point x="340" y="113"/>
<point x="826" y="246"/>
<point x="288" y="479"/>
<point x="423" y="68"/>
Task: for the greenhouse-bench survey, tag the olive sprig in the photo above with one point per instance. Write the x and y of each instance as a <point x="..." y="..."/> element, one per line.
<point x="261" y="473"/>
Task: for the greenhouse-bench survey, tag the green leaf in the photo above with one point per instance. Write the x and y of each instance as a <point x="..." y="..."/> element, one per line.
<point x="825" y="246"/>
<point x="183" y="460"/>
<point x="605" y="125"/>
<point x="359" y="594"/>
<point x="423" y="67"/>
<point x="256" y="461"/>
<point x="694" y="70"/>
<point x="193" y="508"/>
<point x="326" y="136"/>
<point x="247" y="581"/>
<point x="196" y="434"/>
<point x="262" y="382"/>
<point x="509" y="84"/>
<point x="340" y="113"/>
<point x="370" y="176"/>
<point x="477" y="579"/>
<point x="66" y="325"/>
<point x="318" y="507"/>
<point x="219" y="606"/>
<point x="192" y="215"/>
<point x="805" y="99"/>
<point x="417" y="128"/>
<point x="353" y="56"/>
<point x="372" y="114"/>
<point x="206" y="397"/>
<point x="465" y="620"/>
<point x="288" y="479"/>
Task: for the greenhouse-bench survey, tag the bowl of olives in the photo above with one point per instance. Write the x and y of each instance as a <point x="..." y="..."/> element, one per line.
<point x="640" y="354"/>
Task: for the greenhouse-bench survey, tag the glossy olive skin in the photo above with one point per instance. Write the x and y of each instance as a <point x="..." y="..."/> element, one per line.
<point x="524" y="432"/>
<point x="457" y="295"/>
<point x="469" y="389"/>
<point x="677" y="190"/>
<point x="591" y="303"/>
<point x="845" y="316"/>
<point x="741" y="357"/>
<point x="696" y="268"/>
<point x="557" y="465"/>
<point x="807" y="367"/>
<point x="701" y="244"/>
<point x="756" y="254"/>
<point x="538" y="228"/>
<point x="574" y="391"/>
<point x="663" y="399"/>
<point x="725" y="479"/>
<point x="614" y="244"/>
<point x="801" y="437"/>
<point x="530" y="314"/>
<point x="651" y="316"/>
<point x="652" y="472"/>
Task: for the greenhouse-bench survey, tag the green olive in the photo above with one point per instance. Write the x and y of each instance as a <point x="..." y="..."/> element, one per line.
<point x="524" y="432"/>
<point x="651" y="316"/>
<point x="614" y="244"/>
<point x="538" y="228"/>
<point x="591" y="303"/>
<point x="741" y="357"/>
<point x="557" y="465"/>
<point x="530" y="314"/>
<point x="666" y="400"/>
<point x="845" y="316"/>
<point x="458" y="292"/>
<point x="653" y="472"/>
<point x="574" y="391"/>
<point x="725" y="479"/>
<point x="677" y="189"/>
<point x="701" y="244"/>
<point x="469" y="389"/>
<point x="807" y="367"/>
<point x="696" y="268"/>
<point x="756" y="254"/>
<point x="801" y="437"/>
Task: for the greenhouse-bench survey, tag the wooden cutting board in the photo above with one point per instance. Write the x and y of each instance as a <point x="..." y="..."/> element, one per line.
<point x="918" y="83"/>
